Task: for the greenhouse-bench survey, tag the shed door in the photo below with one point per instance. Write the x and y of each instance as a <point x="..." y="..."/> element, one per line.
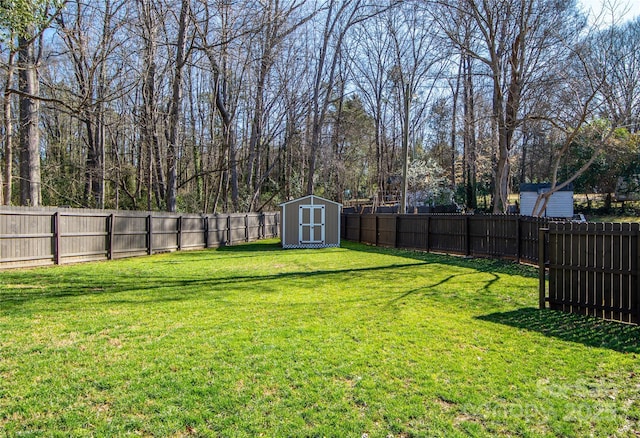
<point x="311" y="224"/>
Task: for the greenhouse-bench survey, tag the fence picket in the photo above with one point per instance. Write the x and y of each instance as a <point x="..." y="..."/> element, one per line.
<point x="599" y="273"/>
<point x="542" y="232"/>
<point x="635" y="290"/>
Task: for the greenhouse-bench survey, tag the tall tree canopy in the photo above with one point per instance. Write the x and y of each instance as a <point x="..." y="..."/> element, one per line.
<point x="240" y="105"/>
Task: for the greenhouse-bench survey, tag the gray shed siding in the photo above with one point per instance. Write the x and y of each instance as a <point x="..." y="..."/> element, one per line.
<point x="298" y="214"/>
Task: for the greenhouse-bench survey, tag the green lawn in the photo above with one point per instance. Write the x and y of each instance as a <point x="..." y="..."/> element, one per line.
<point x="254" y="340"/>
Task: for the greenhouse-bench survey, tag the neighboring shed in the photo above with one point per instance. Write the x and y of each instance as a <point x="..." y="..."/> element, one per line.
<point x="310" y="222"/>
<point x="560" y="203"/>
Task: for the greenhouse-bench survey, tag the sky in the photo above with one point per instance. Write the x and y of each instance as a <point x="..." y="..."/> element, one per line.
<point x="630" y="7"/>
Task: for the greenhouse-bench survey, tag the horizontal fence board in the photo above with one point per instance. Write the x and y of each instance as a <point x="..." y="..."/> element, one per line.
<point x="41" y="236"/>
<point x="15" y="260"/>
<point x="25" y="236"/>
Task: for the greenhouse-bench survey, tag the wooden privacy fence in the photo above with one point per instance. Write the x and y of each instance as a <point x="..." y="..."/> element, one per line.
<point x="503" y="236"/>
<point x="34" y="237"/>
<point x="593" y="270"/>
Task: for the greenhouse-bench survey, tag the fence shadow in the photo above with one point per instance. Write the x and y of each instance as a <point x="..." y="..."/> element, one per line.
<point x="156" y="284"/>
<point x="262" y="246"/>
<point x="586" y="330"/>
<point x="480" y="264"/>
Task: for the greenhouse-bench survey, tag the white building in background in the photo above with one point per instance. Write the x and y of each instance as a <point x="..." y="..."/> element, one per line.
<point x="560" y="203"/>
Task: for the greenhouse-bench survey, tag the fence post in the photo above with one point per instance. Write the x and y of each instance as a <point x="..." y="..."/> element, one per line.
<point x="360" y="228"/>
<point x="396" y="233"/>
<point x="110" y="220"/>
<point x="205" y="223"/>
<point x="246" y="227"/>
<point x="179" y="224"/>
<point x="229" y="233"/>
<point x="149" y="235"/>
<point x="56" y="237"/>
<point x="261" y="226"/>
<point x="542" y="232"/>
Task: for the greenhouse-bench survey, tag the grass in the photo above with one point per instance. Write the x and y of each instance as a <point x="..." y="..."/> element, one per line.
<point x="253" y="340"/>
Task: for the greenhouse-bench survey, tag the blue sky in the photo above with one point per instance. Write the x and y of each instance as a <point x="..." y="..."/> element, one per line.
<point x="630" y="7"/>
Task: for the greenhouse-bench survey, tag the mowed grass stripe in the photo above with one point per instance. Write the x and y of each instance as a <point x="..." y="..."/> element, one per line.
<point x="254" y="340"/>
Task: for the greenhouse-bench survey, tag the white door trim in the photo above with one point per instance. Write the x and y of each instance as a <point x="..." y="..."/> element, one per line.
<point x="316" y="229"/>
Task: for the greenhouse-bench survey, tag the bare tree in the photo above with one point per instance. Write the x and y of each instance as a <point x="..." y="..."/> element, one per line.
<point x="278" y="22"/>
<point x="466" y="69"/>
<point x="621" y="89"/>
<point x="585" y="75"/>
<point x="339" y="17"/>
<point x="181" y="57"/>
<point x="89" y="35"/>
<point x="151" y="168"/>
<point x="26" y="22"/>
<point x="371" y="59"/>
<point x="217" y="44"/>
<point x="514" y="39"/>
<point x="419" y="64"/>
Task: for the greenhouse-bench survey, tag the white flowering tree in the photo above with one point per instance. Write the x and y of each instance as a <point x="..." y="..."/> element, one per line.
<point x="428" y="183"/>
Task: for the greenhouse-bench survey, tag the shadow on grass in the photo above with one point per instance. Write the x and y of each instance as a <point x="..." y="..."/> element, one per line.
<point x="51" y="284"/>
<point x="183" y="288"/>
<point x="263" y="246"/>
<point x="431" y="289"/>
<point x="478" y="264"/>
<point x="590" y="331"/>
<point x="475" y="265"/>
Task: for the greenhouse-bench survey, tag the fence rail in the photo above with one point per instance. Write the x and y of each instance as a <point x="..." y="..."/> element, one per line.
<point x="503" y="236"/>
<point x="35" y="237"/>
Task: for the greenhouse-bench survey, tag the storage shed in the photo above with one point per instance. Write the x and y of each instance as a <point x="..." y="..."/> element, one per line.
<point x="560" y="203"/>
<point x="310" y="222"/>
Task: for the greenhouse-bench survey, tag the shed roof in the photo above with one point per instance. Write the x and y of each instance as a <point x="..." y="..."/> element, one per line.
<point x="312" y="198"/>
<point x="536" y="187"/>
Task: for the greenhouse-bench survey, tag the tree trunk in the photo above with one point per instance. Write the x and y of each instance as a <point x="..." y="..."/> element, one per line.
<point x="469" y="134"/>
<point x="30" y="183"/>
<point x="256" y="125"/>
<point x="8" y="132"/>
<point x="454" y="127"/>
<point x="151" y="168"/>
<point x="174" y="110"/>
